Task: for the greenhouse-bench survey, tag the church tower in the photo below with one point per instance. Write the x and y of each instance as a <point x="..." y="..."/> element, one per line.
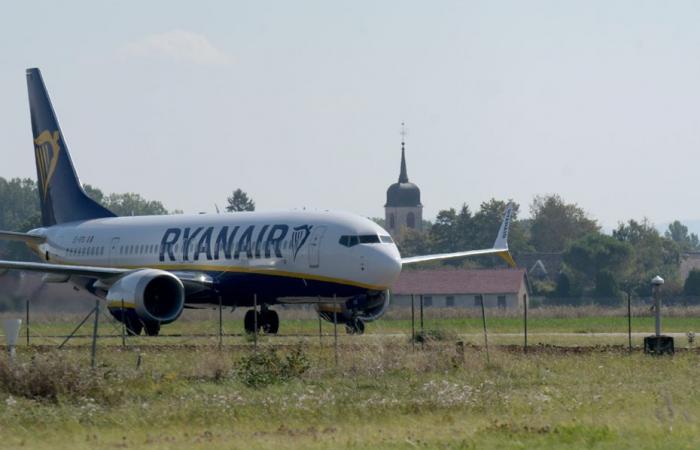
<point x="403" y="209"/>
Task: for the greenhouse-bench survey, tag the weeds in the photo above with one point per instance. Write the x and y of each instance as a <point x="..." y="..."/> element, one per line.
<point x="265" y="367"/>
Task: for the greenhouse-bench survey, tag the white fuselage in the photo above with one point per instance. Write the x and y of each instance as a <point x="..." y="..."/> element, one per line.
<point x="336" y="248"/>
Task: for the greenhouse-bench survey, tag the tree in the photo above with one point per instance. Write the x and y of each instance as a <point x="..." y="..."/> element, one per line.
<point x="598" y="261"/>
<point x="692" y="283"/>
<point x="132" y="204"/>
<point x="555" y="224"/>
<point x="239" y="201"/>
<point x="653" y="254"/>
<point x="678" y="233"/>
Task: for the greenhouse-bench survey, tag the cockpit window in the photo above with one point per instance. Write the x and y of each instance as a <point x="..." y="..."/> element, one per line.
<point x="349" y="241"/>
<point x="369" y="239"/>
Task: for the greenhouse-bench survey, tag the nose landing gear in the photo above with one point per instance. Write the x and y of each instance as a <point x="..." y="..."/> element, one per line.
<point x="267" y="320"/>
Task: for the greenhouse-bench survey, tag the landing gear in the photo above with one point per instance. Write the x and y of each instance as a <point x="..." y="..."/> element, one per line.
<point x="267" y="321"/>
<point x="270" y="321"/>
<point x="133" y="325"/>
<point x="152" y="328"/>
<point x="355" y="326"/>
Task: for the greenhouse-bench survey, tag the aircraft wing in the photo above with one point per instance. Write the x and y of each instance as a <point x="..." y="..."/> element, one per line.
<point x="500" y="246"/>
<point x="107" y="275"/>
<point x="63" y="269"/>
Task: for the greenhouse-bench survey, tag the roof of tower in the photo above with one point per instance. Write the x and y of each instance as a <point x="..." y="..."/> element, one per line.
<point x="404" y="193"/>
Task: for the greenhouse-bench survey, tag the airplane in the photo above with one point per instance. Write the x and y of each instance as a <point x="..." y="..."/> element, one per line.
<point x="148" y="269"/>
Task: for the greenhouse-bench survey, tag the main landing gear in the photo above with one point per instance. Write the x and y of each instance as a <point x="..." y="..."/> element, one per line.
<point x="355" y="326"/>
<point x="268" y="321"/>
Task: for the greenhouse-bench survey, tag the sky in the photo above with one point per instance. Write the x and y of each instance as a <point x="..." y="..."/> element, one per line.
<point x="300" y="104"/>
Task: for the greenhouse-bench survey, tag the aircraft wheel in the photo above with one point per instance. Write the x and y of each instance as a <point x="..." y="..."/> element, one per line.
<point x="270" y="321"/>
<point x="151" y="328"/>
<point x="249" y="321"/>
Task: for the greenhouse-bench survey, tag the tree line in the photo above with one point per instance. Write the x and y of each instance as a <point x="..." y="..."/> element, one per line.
<point x="595" y="265"/>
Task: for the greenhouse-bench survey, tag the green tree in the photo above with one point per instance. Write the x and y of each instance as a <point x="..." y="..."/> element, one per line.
<point x="239" y="201"/>
<point x="678" y="233"/>
<point x="555" y="223"/>
<point x="132" y="204"/>
<point x="414" y="242"/>
<point x="692" y="283"/>
<point x="653" y="254"/>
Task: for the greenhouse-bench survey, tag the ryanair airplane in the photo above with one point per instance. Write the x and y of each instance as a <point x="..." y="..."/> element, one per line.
<point x="148" y="269"/>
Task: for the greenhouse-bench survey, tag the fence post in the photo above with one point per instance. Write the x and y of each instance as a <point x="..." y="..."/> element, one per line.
<point x="629" y="320"/>
<point x="422" y="330"/>
<point x="320" y="331"/>
<point x="255" y="321"/>
<point x="27" y="322"/>
<point x="525" y="319"/>
<point x="335" y="330"/>
<point x="486" y="339"/>
<point x="94" y="333"/>
<point x="123" y="321"/>
<point x="413" y="323"/>
<point x="221" y="324"/>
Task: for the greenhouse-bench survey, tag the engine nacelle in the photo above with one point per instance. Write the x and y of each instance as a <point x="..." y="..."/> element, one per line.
<point x="156" y="295"/>
<point x="368" y="307"/>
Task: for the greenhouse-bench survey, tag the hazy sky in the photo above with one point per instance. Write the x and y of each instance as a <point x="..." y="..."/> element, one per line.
<point x="300" y="103"/>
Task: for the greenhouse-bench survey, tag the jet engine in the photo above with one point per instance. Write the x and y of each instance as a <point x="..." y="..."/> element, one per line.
<point x="156" y="295"/>
<point x="355" y="311"/>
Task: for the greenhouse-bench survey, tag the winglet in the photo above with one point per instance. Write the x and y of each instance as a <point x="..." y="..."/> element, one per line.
<point x="501" y="242"/>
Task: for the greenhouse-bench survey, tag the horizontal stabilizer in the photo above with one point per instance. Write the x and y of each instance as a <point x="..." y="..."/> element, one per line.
<point x="30" y="239"/>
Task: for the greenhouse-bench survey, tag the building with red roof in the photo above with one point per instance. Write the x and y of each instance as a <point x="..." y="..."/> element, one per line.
<point x="499" y="288"/>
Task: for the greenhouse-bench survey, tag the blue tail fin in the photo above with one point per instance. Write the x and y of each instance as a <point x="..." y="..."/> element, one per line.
<point x="60" y="193"/>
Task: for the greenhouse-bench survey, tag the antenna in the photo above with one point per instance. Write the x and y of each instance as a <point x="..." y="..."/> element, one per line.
<point x="403" y="133"/>
<point x="217" y="208"/>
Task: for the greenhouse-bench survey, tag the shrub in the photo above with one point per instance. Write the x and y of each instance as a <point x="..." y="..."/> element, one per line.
<point x="52" y="377"/>
<point x="266" y="367"/>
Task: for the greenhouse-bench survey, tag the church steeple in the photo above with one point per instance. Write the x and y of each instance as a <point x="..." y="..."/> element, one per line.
<point x="403" y="209"/>
<point x="403" y="176"/>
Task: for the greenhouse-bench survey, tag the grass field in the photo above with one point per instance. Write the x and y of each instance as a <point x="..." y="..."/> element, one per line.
<point x="185" y="392"/>
<point x="379" y="396"/>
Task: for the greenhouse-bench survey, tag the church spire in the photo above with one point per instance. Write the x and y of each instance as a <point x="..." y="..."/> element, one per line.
<point x="403" y="176"/>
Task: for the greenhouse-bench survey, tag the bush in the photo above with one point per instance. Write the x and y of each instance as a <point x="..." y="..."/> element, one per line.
<point x="266" y="367"/>
<point x="52" y="378"/>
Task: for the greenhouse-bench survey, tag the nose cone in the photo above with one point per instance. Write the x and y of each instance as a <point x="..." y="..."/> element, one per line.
<point x="386" y="265"/>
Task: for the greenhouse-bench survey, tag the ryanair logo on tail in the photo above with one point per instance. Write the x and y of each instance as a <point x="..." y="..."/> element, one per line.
<point x="46" y="150"/>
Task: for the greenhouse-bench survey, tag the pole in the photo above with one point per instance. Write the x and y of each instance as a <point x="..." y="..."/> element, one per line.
<point x="320" y="332"/>
<point x="335" y="330"/>
<point x="255" y="321"/>
<point x="27" y="323"/>
<point x="221" y="324"/>
<point x="657" y="307"/>
<point x="94" y="333"/>
<point x="486" y="339"/>
<point x="413" y="323"/>
<point x="123" y="325"/>
<point x="422" y="331"/>
<point x="629" y="320"/>
<point x="525" y="319"/>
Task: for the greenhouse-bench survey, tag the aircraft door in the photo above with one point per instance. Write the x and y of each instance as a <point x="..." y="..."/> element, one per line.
<point x="113" y="250"/>
<point x="314" y="247"/>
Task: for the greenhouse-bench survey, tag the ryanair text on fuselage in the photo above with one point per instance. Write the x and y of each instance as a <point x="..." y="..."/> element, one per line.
<point x="230" y="242"/>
